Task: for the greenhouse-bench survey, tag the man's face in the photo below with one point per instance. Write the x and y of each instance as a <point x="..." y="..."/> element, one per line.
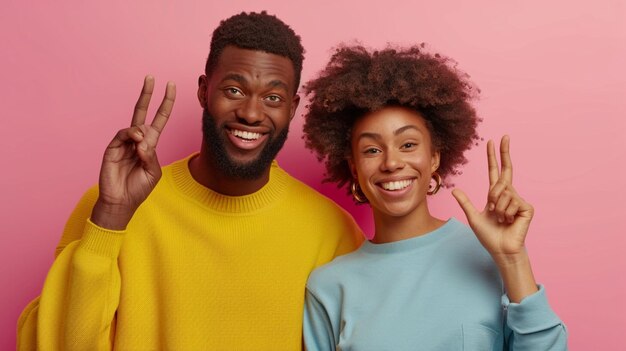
<point x="248" y="100"/>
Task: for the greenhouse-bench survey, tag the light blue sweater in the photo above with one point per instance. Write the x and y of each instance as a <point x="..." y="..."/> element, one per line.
<point x="439" y="291"/>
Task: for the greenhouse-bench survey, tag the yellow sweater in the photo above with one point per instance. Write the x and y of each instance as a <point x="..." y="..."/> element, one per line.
<point x="194" y="270"/>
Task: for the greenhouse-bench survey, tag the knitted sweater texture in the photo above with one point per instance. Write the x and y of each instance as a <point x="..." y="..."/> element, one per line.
<point x="194" y="270"/>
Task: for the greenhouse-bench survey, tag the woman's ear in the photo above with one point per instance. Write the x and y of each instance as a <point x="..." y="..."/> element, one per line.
<point x="435" y="161"/>
<point x="352" y="167"/>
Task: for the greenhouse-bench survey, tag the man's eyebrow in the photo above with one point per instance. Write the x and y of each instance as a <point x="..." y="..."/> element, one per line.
<point x="243" y="81"/>
<point x="236" y="77"/>
<point x="278" y="83"/>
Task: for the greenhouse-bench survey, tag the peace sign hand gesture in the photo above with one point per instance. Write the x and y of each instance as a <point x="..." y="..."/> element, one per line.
<point x="503" y="224"/>
<point x="130" y="168"/>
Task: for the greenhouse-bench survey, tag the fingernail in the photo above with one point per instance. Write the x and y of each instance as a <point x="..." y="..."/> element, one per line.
<point x="500" y="220"/>
<point x="491" y="206"/>
<point x="139" y="133"/>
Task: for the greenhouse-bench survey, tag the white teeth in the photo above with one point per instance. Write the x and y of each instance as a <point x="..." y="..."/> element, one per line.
<point x="245" y="135"/>
<point x="397" y="185"/>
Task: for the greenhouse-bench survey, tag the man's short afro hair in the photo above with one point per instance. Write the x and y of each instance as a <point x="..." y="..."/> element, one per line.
<point x="357" y="81"/>
<point x="257" y="31"/>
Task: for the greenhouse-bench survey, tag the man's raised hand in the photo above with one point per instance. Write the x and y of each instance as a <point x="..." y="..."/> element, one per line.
<point x="130" y="168"/>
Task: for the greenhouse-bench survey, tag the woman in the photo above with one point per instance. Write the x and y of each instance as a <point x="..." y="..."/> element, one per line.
<point x="394" y="124"/>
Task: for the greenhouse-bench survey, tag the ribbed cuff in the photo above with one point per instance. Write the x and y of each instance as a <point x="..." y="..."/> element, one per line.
<point x="532" y="314"/>
<point x="101" y="241"/>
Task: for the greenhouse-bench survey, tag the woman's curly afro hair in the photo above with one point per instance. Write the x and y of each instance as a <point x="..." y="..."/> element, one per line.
<point x="356" y="82"/>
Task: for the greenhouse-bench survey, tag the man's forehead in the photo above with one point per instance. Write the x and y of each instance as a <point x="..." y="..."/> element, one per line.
<point x="233" y="54"/>
<point x="247" y="64"/>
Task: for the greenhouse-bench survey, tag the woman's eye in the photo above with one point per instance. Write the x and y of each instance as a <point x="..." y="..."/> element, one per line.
<point x="371" y="151"/>
<point x="408" y="145"/>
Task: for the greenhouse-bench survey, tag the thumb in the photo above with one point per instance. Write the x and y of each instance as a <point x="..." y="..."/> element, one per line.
<point x="465" y="203"/>
<point x="150" y="161"/>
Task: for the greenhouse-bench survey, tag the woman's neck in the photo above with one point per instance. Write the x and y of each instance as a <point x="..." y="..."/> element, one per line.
<point x="391" y="228"/>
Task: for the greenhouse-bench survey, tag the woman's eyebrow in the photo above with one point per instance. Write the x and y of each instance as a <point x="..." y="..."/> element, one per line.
<point x="369" y="135"/>
<point x="405" y="128"/>
<point x="376" y="136"/>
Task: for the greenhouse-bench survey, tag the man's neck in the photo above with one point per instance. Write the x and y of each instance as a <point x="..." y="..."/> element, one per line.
<point x="204" y="172"/>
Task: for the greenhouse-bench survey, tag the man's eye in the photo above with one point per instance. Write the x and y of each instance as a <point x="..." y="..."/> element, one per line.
<point x="371" y="151"/>
<point x="408" y="145"/>
<point x="233" y="91"/>
<point x="274" y="98"/>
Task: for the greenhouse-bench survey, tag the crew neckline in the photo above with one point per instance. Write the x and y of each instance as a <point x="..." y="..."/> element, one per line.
<point x="411" y="243"/>
<point x="189" y="187"/>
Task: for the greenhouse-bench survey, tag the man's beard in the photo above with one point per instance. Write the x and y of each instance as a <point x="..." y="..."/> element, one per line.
<point x="215" y="141"/>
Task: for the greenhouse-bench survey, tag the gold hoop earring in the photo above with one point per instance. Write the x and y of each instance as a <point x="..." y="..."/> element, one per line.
<point x="357" y="193"/>
<point x="433" y="190"/>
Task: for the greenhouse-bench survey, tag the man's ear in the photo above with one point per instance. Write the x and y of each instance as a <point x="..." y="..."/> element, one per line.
<point x="202" y="89"/>
<point x="294" y="106"/>
<point x="435" y="159"/>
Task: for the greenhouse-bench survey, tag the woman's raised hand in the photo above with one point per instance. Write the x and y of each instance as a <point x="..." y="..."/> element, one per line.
<point x="503" y="224"/>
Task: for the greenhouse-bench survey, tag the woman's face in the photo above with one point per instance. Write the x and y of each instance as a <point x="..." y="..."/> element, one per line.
<point x="393" y="159"/>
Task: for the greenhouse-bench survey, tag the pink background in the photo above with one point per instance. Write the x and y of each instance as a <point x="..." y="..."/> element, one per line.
<point x="552" y="75"/>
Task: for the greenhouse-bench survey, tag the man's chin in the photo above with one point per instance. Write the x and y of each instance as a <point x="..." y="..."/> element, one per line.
<point x="251" y="164"/>
<point x="243" y="156"/>
<point x="246" y="169"/>
<point x="246" y="163"/>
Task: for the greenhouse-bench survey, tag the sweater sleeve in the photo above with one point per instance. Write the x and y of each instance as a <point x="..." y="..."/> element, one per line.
<point x="318" y="331"/>
<point x="533" y="325"/>
<point x="352" y="237"/>
<point x="77" y="305"/>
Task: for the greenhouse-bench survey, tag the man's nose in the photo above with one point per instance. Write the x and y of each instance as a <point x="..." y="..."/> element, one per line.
<point x="251" y="111"/>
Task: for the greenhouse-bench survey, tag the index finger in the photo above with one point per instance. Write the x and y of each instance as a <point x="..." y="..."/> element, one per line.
<point x="505" y="158"/>
<point x="492" y="162"/>
<point x="164" y="111"/>
<point x="141" y="107"/>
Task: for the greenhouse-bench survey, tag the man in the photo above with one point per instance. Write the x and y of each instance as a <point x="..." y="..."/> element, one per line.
<point x="213" y="251"/>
